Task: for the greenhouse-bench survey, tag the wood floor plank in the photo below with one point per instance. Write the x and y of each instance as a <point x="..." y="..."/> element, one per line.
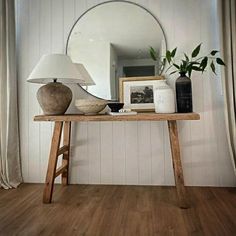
<point x="117" y="210"/>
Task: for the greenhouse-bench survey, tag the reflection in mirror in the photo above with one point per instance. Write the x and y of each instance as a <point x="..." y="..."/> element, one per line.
<point x="112" y="40"/>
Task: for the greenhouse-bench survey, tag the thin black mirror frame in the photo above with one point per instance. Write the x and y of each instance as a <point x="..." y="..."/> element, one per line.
<point x="129" y="2"/>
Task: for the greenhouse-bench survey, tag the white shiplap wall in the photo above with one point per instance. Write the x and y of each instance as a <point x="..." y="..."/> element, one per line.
<point x="125" y="152"/>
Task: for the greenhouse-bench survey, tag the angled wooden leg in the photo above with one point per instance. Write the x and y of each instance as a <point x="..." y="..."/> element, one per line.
<point x="52" y="163"/>
<point x="66" y="155"/>
<point x="176" y="159"/>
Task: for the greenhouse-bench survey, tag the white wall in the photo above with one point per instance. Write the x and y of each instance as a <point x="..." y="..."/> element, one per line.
<point x="125" y="152"/>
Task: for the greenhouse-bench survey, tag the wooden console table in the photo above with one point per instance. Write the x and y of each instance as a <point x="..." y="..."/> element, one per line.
<point x="65" y="120"/>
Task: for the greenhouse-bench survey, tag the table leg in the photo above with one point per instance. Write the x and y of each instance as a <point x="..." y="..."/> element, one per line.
<point x="176" y="159"/>
<point x="66" y="155"/>
<point x="52" y="163"/>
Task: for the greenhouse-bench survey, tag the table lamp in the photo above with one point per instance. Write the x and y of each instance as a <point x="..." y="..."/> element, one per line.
<point x="53" y="69"/>
<point x="87" y="79"/>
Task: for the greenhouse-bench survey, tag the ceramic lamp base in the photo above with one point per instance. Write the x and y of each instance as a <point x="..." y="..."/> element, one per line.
<point x="54" y="98"/>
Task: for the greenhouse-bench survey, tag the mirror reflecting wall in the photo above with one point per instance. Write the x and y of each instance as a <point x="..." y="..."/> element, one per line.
<point x="112" y="40"/>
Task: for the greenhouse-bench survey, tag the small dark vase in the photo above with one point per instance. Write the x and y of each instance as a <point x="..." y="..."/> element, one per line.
<point x="184" y="94"/>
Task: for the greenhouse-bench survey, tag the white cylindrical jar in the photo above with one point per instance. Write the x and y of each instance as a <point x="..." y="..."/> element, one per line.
<point x="164" y="98"/>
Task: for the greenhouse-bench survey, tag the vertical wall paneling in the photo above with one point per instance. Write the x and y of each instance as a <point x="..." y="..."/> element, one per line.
<point x="57" y="29"/>
<point x="80" y="8"/>
<point x="144" y="152"/>
<point x="106" y="152"/>
<point x="125" y="152"/>
<point x="94" y="154"/>
<point x="131" y="151"/>
<point x="118" y="152"/>
<point x="157" y="153"/>
<point x="91" y="3"/>
<point x="79" y="157"/>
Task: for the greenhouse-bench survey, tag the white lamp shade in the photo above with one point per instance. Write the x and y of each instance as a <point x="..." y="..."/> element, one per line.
<point x="84" y="75"/>
<point x="55" y="66"/>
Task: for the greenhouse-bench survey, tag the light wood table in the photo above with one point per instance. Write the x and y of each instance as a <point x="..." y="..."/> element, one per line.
<point x="65" y="120"/>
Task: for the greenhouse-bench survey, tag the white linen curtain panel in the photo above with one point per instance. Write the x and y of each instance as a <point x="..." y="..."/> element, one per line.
<point x="227" y="15"/>
<point x="10" y="169"/>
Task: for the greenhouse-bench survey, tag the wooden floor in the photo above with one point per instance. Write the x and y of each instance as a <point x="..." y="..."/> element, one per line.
<point x="116" y="210"/>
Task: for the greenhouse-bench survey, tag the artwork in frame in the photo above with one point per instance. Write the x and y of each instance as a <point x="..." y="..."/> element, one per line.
<point x="137" y="93"/>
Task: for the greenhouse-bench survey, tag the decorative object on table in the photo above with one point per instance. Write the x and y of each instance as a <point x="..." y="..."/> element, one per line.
<point x="53" y="69"/>
<point x="123" y="112"/>
<point x="87" y="79"/>
<point x="115" y="106"/>
<point x="90" y="106"/>
<point x="85" y="44"/>
<point x="183" y="88"/>
<point x="185" y="68"/>
<point x="164" y="98"/>
<point x="137" y="92"/>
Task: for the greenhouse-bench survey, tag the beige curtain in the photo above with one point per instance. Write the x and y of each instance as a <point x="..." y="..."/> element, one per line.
<point x="10" y="170"/>
<point x="227" y="13"/>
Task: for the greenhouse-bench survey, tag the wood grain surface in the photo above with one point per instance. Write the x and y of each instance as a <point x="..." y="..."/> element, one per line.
<point x="138" y="117"/>
<point x="52" y="162"/>
<point x="117" y="211"/>
<point x="177" y="166"/>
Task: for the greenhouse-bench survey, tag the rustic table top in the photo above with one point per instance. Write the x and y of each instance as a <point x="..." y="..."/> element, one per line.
<point x="138" y="117"/>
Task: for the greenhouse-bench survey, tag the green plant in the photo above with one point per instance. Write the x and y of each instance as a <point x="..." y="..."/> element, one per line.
<point x="188" y="63"/>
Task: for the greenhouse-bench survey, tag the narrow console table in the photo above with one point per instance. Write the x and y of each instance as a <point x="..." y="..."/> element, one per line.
<point x="64" y="122"/>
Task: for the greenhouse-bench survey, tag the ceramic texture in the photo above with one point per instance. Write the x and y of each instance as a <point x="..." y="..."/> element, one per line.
<point x="90" y="106"/>
<point x="54" y="98"/>
<point x="115" y="106"/>
<point x="164" y="99"/>
<point x="184" y="94"/>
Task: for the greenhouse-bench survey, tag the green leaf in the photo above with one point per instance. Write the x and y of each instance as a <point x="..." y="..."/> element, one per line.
<point x="163" y="61"/>
<point x="152" y="53"/>
<point x="187" y="58"/>
<point x="173" y="72"/>
<point x="220" y="61"/>
<point x="196" y="68"/>
<point x="213" y="52"/>
<point x="168" y="56"/>
<point x="184" y="65"/>
<point x="173" y="52"/>
<point x="189" y="73"/>
<point x="203" y="63"/>
<point x="196" y="50"/>
<point x="213" y="68"/>
<point x="175" y="65"/>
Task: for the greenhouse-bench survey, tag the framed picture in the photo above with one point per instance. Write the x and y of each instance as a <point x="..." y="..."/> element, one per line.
<point x="137" y="93"/>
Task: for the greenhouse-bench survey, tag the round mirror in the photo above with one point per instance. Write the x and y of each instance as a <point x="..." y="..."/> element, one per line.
<point x="112" y="40"/>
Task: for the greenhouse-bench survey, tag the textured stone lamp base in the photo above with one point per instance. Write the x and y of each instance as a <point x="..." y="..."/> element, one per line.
<point x="54" y="98"/>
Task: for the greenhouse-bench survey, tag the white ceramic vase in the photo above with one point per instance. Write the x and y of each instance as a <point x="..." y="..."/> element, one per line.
<point x="164" y="98"/>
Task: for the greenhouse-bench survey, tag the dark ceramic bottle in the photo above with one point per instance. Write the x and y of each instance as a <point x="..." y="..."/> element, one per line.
<point x="184" y="94"/>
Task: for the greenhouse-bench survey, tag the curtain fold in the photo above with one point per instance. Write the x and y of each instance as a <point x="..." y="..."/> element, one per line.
<point x="10" y="169"/>
<point x="227" y="15"/>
